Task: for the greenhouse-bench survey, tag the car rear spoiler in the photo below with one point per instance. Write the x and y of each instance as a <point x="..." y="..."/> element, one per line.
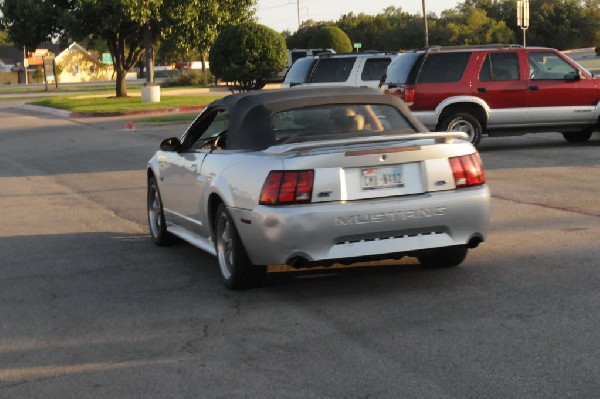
<point x="439" y="137"/>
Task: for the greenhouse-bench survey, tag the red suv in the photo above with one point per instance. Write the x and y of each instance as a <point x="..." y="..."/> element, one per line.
<point x="497" y="90"/>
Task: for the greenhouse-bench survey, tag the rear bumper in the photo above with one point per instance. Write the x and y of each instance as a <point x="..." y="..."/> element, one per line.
<point x="366" y="228"/>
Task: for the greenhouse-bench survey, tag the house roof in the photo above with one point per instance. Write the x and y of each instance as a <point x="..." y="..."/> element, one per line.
<point x="78" y="48"/>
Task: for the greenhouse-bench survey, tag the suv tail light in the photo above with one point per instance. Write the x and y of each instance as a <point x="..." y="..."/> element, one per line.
<point x="287" y="187"/>
<point x="405" y="93"/>
<point x="467" y="170"/>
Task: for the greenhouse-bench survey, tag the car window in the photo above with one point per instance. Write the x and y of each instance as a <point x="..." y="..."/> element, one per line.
<point x="212" y="133"/>
<point x="546" y="65"/>
<point x="296" y="55"/>
<point x="500" y="67"/>
<point x="399" y="69"/>
<point x="312" y="123"/>
<point x="332" y="69"/>
<point x="299" y="71"/>
<point x="443" y="67"/>
<point x="374" y="68"/>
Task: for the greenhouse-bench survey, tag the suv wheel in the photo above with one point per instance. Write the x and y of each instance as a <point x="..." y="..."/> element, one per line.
<point x="578" y="137"/>
<point x="463" y="122"/>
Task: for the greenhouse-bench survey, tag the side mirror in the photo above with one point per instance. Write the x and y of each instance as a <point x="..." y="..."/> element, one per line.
<point x="573" y="76"/>
<point x="171" y="144"/>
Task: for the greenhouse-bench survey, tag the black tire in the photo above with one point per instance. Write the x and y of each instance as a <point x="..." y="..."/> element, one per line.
<point x="444" y="257"/>
<point x="463" y="122"/>
<point x="578" y="137"/>
<point x="156" y="216"/>
<point x="236" y="269"/>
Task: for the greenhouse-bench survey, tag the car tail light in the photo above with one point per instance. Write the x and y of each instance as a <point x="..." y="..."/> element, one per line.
<point x="467" y="170"/>
<point x="287" y="187"/>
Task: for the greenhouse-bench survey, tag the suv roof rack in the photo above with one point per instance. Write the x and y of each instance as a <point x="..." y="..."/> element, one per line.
<point x="364" y="53"/>
<point x="474" y="47"/>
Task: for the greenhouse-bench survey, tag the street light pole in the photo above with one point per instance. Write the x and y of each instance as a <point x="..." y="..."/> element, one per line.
<point x="425" y="24"/>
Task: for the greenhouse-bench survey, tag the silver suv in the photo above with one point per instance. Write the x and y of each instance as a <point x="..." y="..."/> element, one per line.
<point x="355" y="69"/>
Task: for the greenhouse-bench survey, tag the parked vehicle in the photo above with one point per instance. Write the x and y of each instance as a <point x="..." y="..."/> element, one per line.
<point x="314" y="176"/>
<point x="497" y="90"/>
<point x="355" y="69"/>
<point x="295" y="54"/>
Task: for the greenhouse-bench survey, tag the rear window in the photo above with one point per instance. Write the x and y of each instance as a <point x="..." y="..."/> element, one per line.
<point x="324" y="121"/>
<point x="443" y="67"/>
<point x="298" y="72"/>
<point x="374" y="68"/>
<point x="332" y="69"/>
<point x="400" y="67"/>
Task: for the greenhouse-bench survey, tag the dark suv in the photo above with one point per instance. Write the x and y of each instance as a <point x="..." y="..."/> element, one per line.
<point x="497" y="90"/>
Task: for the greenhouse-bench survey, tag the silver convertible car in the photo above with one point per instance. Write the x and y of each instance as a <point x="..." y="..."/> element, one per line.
<point x="316" y="176"/>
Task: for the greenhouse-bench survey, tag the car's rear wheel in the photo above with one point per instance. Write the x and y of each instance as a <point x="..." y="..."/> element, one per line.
<point x="236" y="269"/>
<point x="156" y="216"/>
<point x="463" y="122"/>
<point x="444" y="257"/>
<point x="578" y="137"/>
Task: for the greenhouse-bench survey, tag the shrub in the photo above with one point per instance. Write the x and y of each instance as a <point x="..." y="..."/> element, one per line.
<point x="247" y="55"/>
<point x="321" y="36"/>
<point x="191" y="77"/>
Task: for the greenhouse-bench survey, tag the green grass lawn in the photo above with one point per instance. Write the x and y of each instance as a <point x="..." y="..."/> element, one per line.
<point x="109" y="104"/>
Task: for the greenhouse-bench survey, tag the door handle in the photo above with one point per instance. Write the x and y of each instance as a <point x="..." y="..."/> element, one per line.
<point x="481" y="90"/>
<point x="533" y="88"/>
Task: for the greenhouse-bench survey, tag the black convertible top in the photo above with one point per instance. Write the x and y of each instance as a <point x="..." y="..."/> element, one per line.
<point x="250" y="113"/>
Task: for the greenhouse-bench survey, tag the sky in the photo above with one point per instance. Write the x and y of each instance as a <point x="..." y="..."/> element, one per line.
<point x="283" y="14"/>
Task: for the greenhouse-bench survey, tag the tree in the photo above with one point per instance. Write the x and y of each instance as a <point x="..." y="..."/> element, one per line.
<point x="120" y="23"/>
<point x="191" y="26"/>
<point x="4" y="38"/>
<point x="247" y="55"/>
<point x="321" y="36"/>
<point x="31" y="22"/>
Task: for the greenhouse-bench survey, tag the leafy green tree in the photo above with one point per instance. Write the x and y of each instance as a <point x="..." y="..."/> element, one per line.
<point x="321" y="36"/>
<point x="191" y="26"/>
<point x="30" y="22"/>
<point x="331" y="37"/>
<point x="470" y="25"/>
<point x="4" y="38"/>
<point x="120" y="23"/>
<point x="246" y="55"/>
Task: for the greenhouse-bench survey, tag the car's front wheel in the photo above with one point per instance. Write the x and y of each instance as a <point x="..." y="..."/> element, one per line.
<point x="236" y="269"/>
<point x="156" y="216"/>
<point x="463" y="122"/>
<point x="444" y="257"/>
<point x="578" y="137"/>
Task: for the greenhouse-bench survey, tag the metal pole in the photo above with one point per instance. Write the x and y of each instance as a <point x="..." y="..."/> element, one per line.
<point x="298" y="12"/>
<point x="25" y="65"/>
<point x="425" y="24"/>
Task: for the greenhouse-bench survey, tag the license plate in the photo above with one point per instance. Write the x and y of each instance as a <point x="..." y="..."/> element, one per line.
<point x="378" y="178"/>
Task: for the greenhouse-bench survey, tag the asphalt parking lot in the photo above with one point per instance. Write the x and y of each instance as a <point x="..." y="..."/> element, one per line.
<point x="91" y="308"/>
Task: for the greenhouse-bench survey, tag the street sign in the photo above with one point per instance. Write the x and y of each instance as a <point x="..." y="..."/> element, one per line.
<point x="523" y="17"/>
<point x="523" y="14"/>
<point x="357" y="45"/>
<point x="107" y="58"/>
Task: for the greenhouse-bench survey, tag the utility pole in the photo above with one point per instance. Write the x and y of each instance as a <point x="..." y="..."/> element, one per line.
<point x="298" y="12"/>
<point x="25" y="64"/>
<point x="425" y="24"/>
